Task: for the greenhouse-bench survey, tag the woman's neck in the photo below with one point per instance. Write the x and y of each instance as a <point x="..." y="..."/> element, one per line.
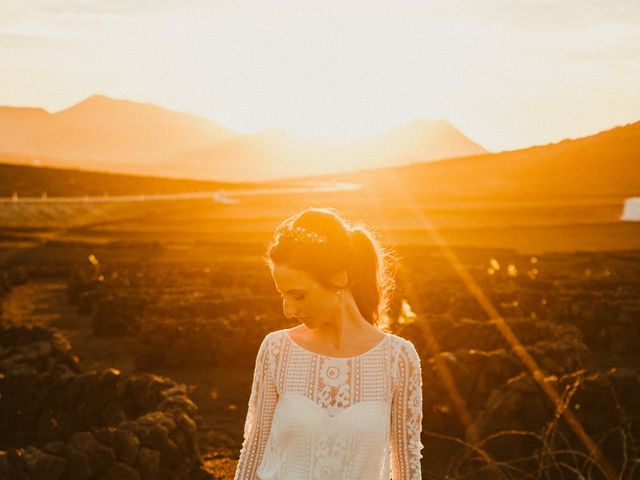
<point x="347" y="329"/>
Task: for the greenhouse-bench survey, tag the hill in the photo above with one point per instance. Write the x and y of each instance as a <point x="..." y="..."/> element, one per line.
<point x="101" y="133"/>
<point x="606" y="164"/>
<point x="276" y="153"/>
<point x="31" y="181"/>
<point x="600" y="165"/>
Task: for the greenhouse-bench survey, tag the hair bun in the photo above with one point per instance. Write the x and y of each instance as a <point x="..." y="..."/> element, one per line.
<point x="321" y="242"/>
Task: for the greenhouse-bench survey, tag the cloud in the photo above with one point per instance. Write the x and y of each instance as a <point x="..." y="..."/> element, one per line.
<point x="53" y="15"/>
<point x="18" y="43"/>
<point x="628" y="52"/>
<point x="19" y="40"/>
<point x="86" y="7"/>
<point x="31" y="23"/>
<point x="552" y="15"/>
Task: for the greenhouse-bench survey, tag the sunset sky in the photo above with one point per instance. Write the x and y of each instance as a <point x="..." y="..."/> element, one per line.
<point x="508" y="74"/>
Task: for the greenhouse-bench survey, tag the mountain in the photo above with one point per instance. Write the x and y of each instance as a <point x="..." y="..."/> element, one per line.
<point x="422" y="140"/>
<point x="21" y="128"/>
<point x="579" y="172"/>
<point x="276" y="153"/>
<point x="101" y="133"/>
<point x="269" y="154"/>
<point x="606" y="164"/>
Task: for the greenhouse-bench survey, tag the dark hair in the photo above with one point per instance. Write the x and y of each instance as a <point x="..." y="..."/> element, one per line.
<point x="320" y="242"/>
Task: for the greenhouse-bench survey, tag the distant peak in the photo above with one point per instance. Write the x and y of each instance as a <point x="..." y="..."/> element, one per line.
<point x="420" y="126"/>
<point x="24" y="110"/>
<point x="99" y="101"/>
<point x="275" y="132"/>
<point x="96" y="99"/>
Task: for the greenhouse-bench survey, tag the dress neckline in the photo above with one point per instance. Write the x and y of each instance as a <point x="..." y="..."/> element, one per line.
<point x="296" y="344"/>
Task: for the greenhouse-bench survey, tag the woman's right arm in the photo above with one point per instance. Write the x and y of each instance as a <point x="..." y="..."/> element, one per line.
<point x="262" y="402"/>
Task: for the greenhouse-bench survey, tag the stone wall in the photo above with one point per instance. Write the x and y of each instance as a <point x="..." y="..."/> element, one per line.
<point x="59" y="423"/>
<point x="9" y="278"/>
<point x="504" y="423"/>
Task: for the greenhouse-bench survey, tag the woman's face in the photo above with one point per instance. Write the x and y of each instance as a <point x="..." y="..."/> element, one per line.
<point x="304" y="298"/>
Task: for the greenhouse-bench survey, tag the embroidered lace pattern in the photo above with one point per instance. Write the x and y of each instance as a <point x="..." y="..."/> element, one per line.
<point x="312" y="416"/>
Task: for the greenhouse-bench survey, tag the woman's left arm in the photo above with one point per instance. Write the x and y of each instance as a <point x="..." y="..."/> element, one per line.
<point x="406" y="415"/>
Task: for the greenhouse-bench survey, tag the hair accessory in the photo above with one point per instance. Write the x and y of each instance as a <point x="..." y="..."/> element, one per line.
<point x="301" y="234"/>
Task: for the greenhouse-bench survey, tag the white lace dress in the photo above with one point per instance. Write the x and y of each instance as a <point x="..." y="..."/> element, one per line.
<point x="312" y="416"/>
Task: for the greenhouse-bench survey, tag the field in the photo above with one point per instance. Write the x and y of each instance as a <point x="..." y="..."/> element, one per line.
<point x="177" y="288"/>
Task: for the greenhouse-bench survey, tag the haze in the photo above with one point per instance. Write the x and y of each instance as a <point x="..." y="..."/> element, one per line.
<point x="507" y="74"/>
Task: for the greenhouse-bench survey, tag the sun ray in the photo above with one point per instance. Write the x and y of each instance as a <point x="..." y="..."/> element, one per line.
<point x="424" y="223"/>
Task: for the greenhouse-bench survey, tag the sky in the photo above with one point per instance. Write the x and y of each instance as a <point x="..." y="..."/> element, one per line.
<point x="507" y="73"/>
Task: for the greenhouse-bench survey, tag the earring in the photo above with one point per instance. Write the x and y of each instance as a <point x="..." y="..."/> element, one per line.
<point x="339" y="292"/>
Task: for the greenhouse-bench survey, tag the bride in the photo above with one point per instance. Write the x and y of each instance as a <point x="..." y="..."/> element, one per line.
<point x="335" y="397"/>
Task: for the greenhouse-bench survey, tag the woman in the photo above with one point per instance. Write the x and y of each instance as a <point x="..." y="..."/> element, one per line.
<point x="334" y="397"/>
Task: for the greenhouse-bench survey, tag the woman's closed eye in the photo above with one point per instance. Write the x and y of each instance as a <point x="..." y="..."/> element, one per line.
<point x="296" y="297"/>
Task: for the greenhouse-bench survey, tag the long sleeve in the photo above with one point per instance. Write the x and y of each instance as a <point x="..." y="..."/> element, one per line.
<point x="262" y="402"/>
<point x="406" y="415"/>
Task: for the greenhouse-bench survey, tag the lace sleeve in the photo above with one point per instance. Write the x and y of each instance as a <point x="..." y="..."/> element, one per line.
<point x="406" y="415"/>
<point x="262" y="402"/>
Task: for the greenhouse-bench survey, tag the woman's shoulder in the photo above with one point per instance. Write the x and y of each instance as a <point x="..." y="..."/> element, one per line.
<point x="398" y="340"/>
<point x="270" y="347"/>
<point x="276" y="333"/>
<point x="274" y="337"/>
<point x="402" y="345"/>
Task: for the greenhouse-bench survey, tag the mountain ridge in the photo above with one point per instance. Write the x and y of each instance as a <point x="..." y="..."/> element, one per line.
<point x="140" y="136"/>
<point x="603" y="164"/>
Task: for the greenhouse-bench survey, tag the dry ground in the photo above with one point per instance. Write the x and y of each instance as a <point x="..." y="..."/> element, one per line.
<point x="213" y="389"/>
